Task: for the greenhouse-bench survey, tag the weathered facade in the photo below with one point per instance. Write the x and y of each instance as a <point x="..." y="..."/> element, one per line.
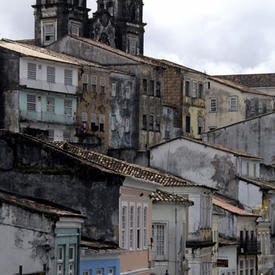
<point x="255" y="136"/>
<point x="39" y="236"/>
<point x="228" y="103"/>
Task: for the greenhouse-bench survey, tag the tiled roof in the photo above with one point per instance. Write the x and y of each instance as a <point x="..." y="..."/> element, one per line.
<point x="242" y="121"/>
<point x="111" y="165"/>
<point x="37" y="205"/>
<point x="46" y="54"/>
<point x="231" y="208"/>
<point x="212" y="145"/>
<point x="161" y="196"/>
<point x="262" y="184"/>
<point x="135" y="58"/>
<point x="116" y="166"/>
<point x="252" y="80"/>
<point x="240" y="87"/>
<point x="168" y="63"/>
<point x="97" y="245"/>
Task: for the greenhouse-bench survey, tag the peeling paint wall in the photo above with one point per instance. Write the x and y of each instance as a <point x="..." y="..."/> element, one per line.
<point x="255" y="136"/>
<point x="27" y="239"/>
<point x="198" y="163"/>
<point x="33" y="170"/>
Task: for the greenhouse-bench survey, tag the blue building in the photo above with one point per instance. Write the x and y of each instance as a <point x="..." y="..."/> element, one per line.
<point x="99" y="258"/>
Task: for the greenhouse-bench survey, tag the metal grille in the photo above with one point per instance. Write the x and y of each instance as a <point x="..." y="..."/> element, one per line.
<point x="31" y="103"/>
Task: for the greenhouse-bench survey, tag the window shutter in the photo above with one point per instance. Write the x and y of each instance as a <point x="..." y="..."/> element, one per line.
<point x="32" y="71"/>
<point x="68" y="77"/>
<point x="51" y="74"/>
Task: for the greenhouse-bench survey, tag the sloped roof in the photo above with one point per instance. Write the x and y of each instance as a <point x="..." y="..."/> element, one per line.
<point x="231" y="208"/>
<point x="161" y="196"/>
<point x="262" y="184"/>
<point x="37" y="205"/>
<point x="242" y="121"/>
<point x="101" y="45"/>
<point x="212" y="145"/>
<point x="237" y="86"/>
<point x="43" y="53"/>
<point x="110" y="165"/>
<point x="252" y="80"/>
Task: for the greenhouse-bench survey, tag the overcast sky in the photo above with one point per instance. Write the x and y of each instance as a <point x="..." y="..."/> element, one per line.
<point x="214" y="36"/>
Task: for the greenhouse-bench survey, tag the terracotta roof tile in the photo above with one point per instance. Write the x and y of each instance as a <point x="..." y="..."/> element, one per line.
<point x="36" y="205"/>
<point x="240" y="87"/>
<point x="231" y="208"/>
<point x="163" y="196"/>
<point x="213" y="145"/>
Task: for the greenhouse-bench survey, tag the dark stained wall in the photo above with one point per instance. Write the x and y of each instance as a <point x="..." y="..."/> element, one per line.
<point x="33" y="169"/>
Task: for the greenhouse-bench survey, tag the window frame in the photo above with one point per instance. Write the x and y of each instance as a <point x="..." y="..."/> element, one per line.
<point x="213" y="107"/>
<point x="124" y="225"/>
<point x="68" y="108"/>
<point x="50" y="105"/>
<point x="51" y="74"/>
<point x="233" y="107"/>
<point x="32" y="71"/>
<point x="68" y="77"/>
<point x="145" y="226"/>
<point x="132" y="227"/>
<point x="139" y="227"/>
<point x="165" y="225"/>
<point x="31" y="103"/>
<point x="187" y="88"/>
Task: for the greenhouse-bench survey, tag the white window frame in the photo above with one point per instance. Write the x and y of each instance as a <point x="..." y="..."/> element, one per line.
<point x="68" y="107"/>
<point x="72" y="267"/>
<point x="124" y="225"/>
<point x="102" y="85"/>
<point x="213" y="105"/>
<point x="60" y="261"/>
<point x="145" y="226"/>
<point x="84" y="116"/>
<point x="132" y="226"/>
<point x="194" y="88"/>
<point x="139" y="226"/>
<point x="113" y="91"/>
<point x="32" y="71"/>
<point x="44" y="24"/>
<point x="156" y="256"/>
<point x="85" y="82"/>
<point x="31" y="103"/>
<point x="50" y="74"/>
<point x="68" y="77"/>
<point x="50" y="105"/>
<point x="233" y="104"/>
<point x="94" y="83"/>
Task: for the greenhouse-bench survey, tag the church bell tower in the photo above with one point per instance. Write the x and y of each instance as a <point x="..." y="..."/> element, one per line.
<point x="57" y="18"/>
<point x="119" y="23"/>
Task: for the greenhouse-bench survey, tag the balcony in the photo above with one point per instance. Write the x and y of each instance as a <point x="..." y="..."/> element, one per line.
<point x="249" y="247"/>
<point x="47" y="117"/>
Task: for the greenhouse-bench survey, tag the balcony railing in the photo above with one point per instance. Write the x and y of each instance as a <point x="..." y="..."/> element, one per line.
<point x="249" y="247"/>
<point x="47" y="117"/>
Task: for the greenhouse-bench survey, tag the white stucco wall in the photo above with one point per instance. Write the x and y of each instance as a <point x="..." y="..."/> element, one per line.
<point x="228" y="253"/>
<point x="25" y="237"/>
<point x="175" y="218"/>
<point x="41" y="76"/>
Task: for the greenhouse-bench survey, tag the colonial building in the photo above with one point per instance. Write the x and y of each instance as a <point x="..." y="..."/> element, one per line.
<point x="116" y="23"/>
<point x="228" y="103"/>
<point x="38" y="237"/>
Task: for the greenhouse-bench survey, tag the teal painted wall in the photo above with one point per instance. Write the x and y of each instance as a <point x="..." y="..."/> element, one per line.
<point x="56" y="117"/>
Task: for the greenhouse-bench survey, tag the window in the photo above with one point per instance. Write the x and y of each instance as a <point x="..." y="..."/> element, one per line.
<point x="200" y="90"/>
<point x="68" y="107"/>
<point x="255" y="170"/>
<point x="151" y="123"/>
<point x="127" y="125"/>
<point x="194" y="88"/>
<point x="68" y="77"/>
<point x="67" y="135"/>
<point x="247" y="168"/>
<point x="113" y="91"/>
<point x="157" y="124"/>
<point x="31" y="103"/>
<point x="139" y="227"/>
<point x="86" y="272"/>
<point x="94" y="127"/>
<point x="128" y="91"/>
<point x="124" y="227"/>
<point x="32" y="71"/>
<point x="251" y="267"/>
<point x="75" y="29"/>
<point x="260" y="106"/>
<point x="187" y="88"/>
<point x="158" y="89"/>
<point x="187" y="124"/>
<point x="99" y="271"/>
<point x="159" y="241"/>
<point x="101" y="123"/>
<point x="208" y="85"/>
<point x="84" y="117"/>
<point x="85" y="82"/>
<point x="213" y="105"/>
<point x="94" y="80"/>
<point x="50" y="105"/>
<point x="51" y="135"/>
<point x="60" y="259"/>
<point x="233" y="104"/>
<point x="152" y="88"/>
<point x="71" y="260"/>
<point x="200" y="125"/>
<point x="49" y="32"/>
<point x="144" y="122"/>
<point x="111" y="271"/>
<point x="102" y="85"/>
<point x="145" y="87"/>
<point x="145" y="227"/>
<point x="131" y="233"/>
<point x="51" y="74"/>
